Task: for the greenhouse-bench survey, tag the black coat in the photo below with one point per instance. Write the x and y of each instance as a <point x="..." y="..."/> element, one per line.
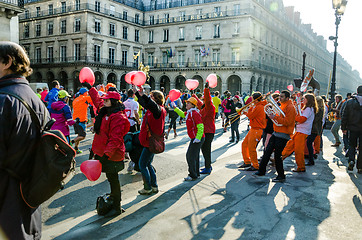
<point x="18" y="136"/>
<point x="352" y="114"/>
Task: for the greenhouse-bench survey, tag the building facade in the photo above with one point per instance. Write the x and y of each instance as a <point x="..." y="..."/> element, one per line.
<point x="9" y="23"/>
<point x="250" y="44"/>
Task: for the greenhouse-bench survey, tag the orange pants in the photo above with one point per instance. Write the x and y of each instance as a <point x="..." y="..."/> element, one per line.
<point x="296" y="145"/>
<point x="248" y="147"/>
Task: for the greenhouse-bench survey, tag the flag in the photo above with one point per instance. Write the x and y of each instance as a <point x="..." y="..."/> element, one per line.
<point x="203" y="52"/>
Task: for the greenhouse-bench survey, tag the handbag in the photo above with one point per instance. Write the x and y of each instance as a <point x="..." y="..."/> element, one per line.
<point x="156" y="142"/>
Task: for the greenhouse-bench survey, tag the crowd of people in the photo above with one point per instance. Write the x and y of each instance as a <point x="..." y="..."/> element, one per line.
<point x="283" y="122"/>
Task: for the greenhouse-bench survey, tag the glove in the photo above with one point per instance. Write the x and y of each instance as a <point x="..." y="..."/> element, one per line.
<point x="196" y="140"/>
<point x="87" y="85"/>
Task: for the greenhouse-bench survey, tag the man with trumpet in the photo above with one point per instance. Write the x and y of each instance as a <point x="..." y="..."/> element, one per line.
<point x="284" y="121"/>
<point x="257" y="119"/>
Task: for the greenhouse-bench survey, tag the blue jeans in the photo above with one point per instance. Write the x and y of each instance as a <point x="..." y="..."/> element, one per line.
<point x="147" y="170"/>
<point x="335" y="129"/>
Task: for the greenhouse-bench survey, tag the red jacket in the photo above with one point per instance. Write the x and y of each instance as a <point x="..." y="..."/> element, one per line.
<point x="193" y="118"/>
<point x="208" y="112"/>
<point x="109" y="141"/>
<point x="156" y="126"/>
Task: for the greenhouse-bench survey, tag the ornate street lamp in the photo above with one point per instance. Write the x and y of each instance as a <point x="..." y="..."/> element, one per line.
<point x="339" y="6"/>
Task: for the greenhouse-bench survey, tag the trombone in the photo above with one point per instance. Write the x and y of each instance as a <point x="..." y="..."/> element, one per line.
<point x="272" y="108"/>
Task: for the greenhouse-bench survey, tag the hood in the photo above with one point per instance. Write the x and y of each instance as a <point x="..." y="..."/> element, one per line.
<point x="359" y="99"/>
<point x="58" y="105"/>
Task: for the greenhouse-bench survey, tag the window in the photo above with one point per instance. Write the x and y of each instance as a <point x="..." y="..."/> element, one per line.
<point x="150" y="36"/>
<point x="112" y="28"/>
<point x="199" y="12"/>
<point x="38" y="30"/>
<point x="164" y="57"/>
<point x="111" y="54"/>
<point x="183" y="15"/>
<point x="112" y="10"/>
<point x="124" y="57"/>
<point x="198" y="32"/>
<point x="50" y="28"/>
<point x="64" y="7"/>
<point x="165" y="35"/>
<point x="26" y="31"/>
<point x="236" y="28"/>
<point x="235" y="56"/>
<point x="236" y="9"/>
<point x="216" y="56"/>
<point x="50" y="9"/>
<point x="125" y="32"/>
<point x="137" y="18"/>
<point x="77" y="52"/>
<point x="136" y="35"/>
<point x="181" y="58"/>
<point x="217" y="31"/>
<point x="97" y="53"/>
<point x="26" y="13"/>
<point x="152" y="20"/>
<point x="77" y="25"/>
<point x="167" y="17"/>
<point x="182" y="33"/>
<point x="135" y="60"/>
<point x="217" y="10"/>
<point x="97" y="26"/>
<point x="63" y="53"/>
<point x="50" y="54"/>
<point x="38" y="55"/>
<point x="38" y="11"/>
<point x="197" y="57"/>
<point x="97" y="6"/>
<point x="63" y="26"/>
<point x="77" y="5"/>
<point x="124" y="15"/>
<point x="150" y="59"/>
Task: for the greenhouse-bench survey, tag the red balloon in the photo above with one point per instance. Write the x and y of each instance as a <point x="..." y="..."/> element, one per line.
<point x="174" y="94"/>
<point x="192" y="84"/>
<point x="290" y="87"/>
<point x="128" y="77"/>
<point x="87" y="75"/>
<point x="92" y="169"/>
<point x="212" y="79"/>
<point x="139" y="78"/>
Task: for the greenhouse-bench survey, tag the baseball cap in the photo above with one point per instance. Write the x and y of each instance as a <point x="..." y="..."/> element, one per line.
<point x="112" y="94"/>
<point x="63" y="94"/>
<point x="192" y="100"/>
<point x="83" y="90"/>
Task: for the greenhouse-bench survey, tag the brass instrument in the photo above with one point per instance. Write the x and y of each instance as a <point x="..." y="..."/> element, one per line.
<point x="272" y="108"/>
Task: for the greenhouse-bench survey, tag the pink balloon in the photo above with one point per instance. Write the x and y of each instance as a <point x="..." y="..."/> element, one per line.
<point x="277" y="91"/>
<point x="87" y="75"/>
<point x="192" y="84"/>
<point x="128" y="77"/>
<point x="92" y="169"/>
<point x="290" y="87"/>
<point x="139" y="78"/>
<point x="212" y="79"/>
<point x="174" y="94"/>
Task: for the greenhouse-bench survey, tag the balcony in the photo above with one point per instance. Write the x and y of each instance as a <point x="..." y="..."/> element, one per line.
<point x="17" y="3"/>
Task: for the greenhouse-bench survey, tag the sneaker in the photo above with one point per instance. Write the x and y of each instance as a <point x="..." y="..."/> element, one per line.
<point x="145" y="191"/>
<point x="175" y="135"/>
<point x="188" y="178"/>
<point x="336" y="144"/>
<point x="166" y="135"/>
<point x="258" y="173"/>
<point x="154" y="189"/>
<point x="251" y="169"/>
<point x="245" y="165"/>
<point x="279" y="179"/>
<point x="237" y="140"/>
<point x="130" y="166"/>
<point x="298" y="170"/>
<point x="350" y="166"/>
<point x="205" y="171"/>
<point x="79" y="151"/>
<point x="231" y="140"/>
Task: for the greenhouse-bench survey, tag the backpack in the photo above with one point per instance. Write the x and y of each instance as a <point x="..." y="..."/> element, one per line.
<point x="54" y="163"/>
<point x="104" y="204"/>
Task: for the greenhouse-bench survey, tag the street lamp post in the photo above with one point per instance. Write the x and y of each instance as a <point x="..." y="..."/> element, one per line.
<point x="340" y="7"/>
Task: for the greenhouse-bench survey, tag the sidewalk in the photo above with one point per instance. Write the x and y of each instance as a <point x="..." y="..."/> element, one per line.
<point x="322" y="203"/>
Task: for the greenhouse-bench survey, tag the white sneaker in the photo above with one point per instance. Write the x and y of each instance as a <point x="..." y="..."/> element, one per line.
<point x="188" y="178"/>
<point x="130" y="166"/>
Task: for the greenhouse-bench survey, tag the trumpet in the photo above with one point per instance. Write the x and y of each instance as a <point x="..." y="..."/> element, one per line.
<point x="272" y="108"/>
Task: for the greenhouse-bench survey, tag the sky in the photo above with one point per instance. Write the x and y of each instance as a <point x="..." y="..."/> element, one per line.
<point x="320" y="14"/>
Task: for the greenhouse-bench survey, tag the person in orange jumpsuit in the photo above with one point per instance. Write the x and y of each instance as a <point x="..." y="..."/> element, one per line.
<point x="303" y="129"/>
<point x="257" y="119"/>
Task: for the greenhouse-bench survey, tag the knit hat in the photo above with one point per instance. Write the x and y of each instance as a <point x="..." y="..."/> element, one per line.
<point x="192" y="100"/>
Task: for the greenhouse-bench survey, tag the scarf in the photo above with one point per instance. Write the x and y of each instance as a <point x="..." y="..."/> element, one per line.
<point x="190" y="111"/>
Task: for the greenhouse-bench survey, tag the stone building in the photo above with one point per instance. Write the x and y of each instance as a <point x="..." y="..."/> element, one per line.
<point x="9" y="23"/>
<point x="250" y="44"/>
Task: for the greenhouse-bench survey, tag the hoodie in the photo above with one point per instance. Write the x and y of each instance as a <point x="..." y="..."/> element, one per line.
<point x="352" y="114"/>
<point x="61" y="112"/>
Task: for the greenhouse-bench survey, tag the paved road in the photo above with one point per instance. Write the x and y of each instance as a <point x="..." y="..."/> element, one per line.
<point x="323" y="203"/>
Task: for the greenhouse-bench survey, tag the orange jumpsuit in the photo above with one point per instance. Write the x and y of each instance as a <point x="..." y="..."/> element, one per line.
<point x="257" y="119"/>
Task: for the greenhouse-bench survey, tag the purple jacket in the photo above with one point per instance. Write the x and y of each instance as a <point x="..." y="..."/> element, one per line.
<point x="60" y="111"/>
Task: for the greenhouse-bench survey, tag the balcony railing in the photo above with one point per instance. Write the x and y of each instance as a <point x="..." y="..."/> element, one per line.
<point x="19" y="3"/>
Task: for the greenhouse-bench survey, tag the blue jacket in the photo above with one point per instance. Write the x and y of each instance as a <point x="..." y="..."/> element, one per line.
<point x="51" y="97"/>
